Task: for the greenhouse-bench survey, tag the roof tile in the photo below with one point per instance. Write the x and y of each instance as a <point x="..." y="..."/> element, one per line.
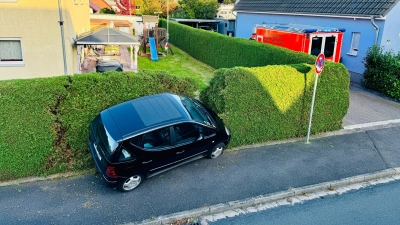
<point x="362" y="8"/>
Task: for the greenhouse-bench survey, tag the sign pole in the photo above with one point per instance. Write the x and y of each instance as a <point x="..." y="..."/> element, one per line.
<point x="319" y="66"/>
<point x="312" y="108"/>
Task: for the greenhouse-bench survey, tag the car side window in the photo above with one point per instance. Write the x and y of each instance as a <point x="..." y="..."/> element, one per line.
<point x="207" y="132"/>
<point x="126" y="155"/>
<point x="186" y="132"/>
<point x="160" y="138"/>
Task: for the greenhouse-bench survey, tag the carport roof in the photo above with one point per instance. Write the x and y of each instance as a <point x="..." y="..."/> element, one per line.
<point x="107" y="36"/>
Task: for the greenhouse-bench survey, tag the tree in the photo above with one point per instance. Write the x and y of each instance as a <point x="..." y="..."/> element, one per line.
<point x="196" y="9"/>
<point x="151" y="7"/>
<point x="125" y="7"/>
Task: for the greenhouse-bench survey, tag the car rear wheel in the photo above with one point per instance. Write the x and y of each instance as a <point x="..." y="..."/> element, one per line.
<point x="130" y="183"/>
<point x="216" y="151"/>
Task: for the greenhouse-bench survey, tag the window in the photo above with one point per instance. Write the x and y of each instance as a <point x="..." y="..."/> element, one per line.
<point x="157" y="139"/>
<point x="329" y="46"/>
<point x="76" y="2"/>
<point x="11" y="52"/>
<point x="126" y="155"/>
<point x="316" y="45"/>
<point x="8" y="0"/>
<point x="195" y="110"/>
<point x="186" y="132"/>
<point x="355" y="41"/>
<point x="137" y="7"/>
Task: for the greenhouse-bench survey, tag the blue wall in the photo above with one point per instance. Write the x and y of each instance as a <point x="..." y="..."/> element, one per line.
<point x="246" y="21"/>
<point x="391" y="30"/>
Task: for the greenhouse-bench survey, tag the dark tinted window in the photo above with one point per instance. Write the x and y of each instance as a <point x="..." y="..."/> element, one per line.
<point x="103" y="137"/>
<point x="194" y="110"/>
<point x="160" y="138"/>
<point x="208" y="132"/>
<point x="136" y="141"/>
<point x="186" y="132"/>
<point x="329" y="46"/>
<point x="316" y="46"/>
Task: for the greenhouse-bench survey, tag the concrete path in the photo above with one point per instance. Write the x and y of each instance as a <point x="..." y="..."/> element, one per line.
<point x="369" y="107"/>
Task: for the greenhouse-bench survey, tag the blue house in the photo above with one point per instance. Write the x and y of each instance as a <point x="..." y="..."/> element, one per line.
<point x="366" y="23"/>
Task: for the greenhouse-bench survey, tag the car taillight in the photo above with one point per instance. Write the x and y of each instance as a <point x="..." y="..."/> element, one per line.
<point x="111" y="172"/>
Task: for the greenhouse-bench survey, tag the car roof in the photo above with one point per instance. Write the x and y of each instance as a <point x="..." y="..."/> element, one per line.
<point x="147" y="113"/>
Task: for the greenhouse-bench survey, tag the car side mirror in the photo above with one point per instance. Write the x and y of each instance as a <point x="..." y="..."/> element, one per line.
<point x="200" y="138"/>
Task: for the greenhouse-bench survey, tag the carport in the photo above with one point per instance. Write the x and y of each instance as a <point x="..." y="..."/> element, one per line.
<point x="107" y="36"/>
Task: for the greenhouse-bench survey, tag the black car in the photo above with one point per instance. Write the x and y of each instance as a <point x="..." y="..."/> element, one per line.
<point x="149" y="135"/>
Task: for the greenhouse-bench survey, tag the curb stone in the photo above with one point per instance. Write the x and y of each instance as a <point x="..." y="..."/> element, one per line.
<point x="50" y="177"/>
<point x="289" y="197"/>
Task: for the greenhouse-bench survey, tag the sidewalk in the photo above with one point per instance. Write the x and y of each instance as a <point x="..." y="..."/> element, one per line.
<point x="261" y="170"/>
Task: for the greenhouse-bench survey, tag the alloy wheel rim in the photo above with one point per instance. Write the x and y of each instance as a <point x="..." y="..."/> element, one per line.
<point x="132" y="182"/>
<point x="216" y="152"/>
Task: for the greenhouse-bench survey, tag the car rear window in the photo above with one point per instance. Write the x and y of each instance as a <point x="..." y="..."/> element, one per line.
<point x="105" y="140"/>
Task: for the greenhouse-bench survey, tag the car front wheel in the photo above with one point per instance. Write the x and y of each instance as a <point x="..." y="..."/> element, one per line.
<point x="216" y="151"/>
<point x="130" y="183"/>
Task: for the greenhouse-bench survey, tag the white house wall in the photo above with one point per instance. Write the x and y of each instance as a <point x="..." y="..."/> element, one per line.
<point x="246" y="21"/>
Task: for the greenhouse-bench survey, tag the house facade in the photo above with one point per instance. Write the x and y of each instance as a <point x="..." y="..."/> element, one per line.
<point x="366" y="23"/>
<point x="31" y="43"/>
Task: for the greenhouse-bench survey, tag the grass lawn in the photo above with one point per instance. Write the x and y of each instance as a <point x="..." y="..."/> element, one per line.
<point x="179" y="64"/>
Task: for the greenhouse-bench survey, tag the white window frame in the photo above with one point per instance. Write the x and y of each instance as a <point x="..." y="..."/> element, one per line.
<point x="9" y="1"/>
<point x="76" y="2"/>
<point x="355" y="43"/>
<point x="13" y="63"/>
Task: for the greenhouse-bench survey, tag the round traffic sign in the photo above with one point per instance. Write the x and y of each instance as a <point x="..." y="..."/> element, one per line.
<point x="320" y="63"/>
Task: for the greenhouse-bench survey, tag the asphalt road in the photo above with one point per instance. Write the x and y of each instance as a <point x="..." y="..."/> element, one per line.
<point x="232" y="176"/>
<point x="369" y="206"/>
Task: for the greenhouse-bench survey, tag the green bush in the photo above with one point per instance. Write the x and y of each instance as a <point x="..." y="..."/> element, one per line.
<point x="382" y="71"/>
<point x="273" y="102"/>
<point x="45" y="121"/>
<point x="222" y="51"/>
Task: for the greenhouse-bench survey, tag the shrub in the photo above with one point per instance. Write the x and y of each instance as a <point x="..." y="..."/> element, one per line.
<point x="382" y="71"/>
<point x="222" y="51"/>
<point x="273" y="102"/>
<point x="45" y="121"/>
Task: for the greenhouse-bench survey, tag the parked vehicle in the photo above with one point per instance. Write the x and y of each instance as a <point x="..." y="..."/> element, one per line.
<point x="143" y="137"/>
<point x="206" y="28"/>
<point x="302" y="38"/>
<point x="109" y="65"/>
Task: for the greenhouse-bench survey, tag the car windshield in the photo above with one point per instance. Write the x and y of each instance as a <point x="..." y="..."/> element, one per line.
<point x="105" y="140"/>
<point x="196" y="111"/>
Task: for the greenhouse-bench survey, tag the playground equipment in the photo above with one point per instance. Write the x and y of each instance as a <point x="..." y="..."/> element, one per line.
<point x="153" y="49"/>
<point x="152" y="33"/>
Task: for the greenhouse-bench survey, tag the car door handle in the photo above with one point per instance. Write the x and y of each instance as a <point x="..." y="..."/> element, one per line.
<point x="180" y="152"/>
<point x="147" y="162"/>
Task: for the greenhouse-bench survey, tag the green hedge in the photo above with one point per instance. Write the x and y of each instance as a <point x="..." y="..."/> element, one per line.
<point x="273" y="102"/>
<point x="382" y="71"/>
<point x="222" y="51"/>
<point x="44" y="122"/>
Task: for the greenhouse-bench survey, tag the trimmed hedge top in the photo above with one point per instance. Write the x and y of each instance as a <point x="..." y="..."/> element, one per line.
<point x="222" y="51"/>
<point x="45" y="121"/>
<point x="273" y="102"/>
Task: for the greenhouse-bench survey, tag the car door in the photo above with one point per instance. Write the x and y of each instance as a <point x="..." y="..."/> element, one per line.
<point x="189" y="141"/>
<point x="155" y="151"/>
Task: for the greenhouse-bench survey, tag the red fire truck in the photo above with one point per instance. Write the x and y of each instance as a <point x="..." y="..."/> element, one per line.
<point x="302" y="38"/>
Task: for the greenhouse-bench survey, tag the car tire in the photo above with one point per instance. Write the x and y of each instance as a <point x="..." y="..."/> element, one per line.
<point x="216" y="151"/>
<point x="130" y="183"/>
